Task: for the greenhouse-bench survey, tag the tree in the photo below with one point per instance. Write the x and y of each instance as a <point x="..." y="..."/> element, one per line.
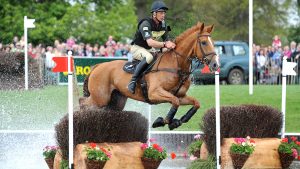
<point x="89" y="21"/>
<point x="270" y="18"/>
<point x="230" y="23"/>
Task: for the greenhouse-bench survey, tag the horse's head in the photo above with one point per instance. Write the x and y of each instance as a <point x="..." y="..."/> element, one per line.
<point x="204" y="48"/>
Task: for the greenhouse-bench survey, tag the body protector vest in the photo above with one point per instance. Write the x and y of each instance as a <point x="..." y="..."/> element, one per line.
<point x="146" y="29"/>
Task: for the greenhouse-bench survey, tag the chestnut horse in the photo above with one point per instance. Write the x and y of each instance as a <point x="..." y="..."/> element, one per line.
<point x="168" y="81"/>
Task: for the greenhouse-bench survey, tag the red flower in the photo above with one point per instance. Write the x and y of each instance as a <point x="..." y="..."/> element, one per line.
<point x="285" y="140"/>
<point x="93" y="145"/>
<point x="173" y="155"/>
<point x="298" y="157"/>
<point x="298" y="143"/>
<point x="252" y="141"/>
<point x="293" y="138"/>
<point x="155" y="146"/>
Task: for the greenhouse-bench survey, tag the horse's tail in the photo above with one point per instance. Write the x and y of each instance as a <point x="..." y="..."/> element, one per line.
<point x="86" y="92"/>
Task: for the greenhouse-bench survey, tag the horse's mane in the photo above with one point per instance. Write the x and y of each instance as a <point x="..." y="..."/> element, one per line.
<point x="188" y="31"/>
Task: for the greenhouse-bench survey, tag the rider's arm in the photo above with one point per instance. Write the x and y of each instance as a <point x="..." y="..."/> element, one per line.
<point x="145" y="29"/>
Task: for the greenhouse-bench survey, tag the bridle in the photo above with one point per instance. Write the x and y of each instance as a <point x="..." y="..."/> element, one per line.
<point x="204" y="55"/>
<point x="204" y="59"/>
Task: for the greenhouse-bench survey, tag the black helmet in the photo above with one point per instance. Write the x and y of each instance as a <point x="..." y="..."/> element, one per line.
<point x="158" y="5"/>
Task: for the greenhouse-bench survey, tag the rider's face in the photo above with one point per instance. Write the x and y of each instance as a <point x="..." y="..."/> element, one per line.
<point x="160" y="15"/>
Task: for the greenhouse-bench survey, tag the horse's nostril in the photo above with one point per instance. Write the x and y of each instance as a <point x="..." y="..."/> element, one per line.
<point x="215" y="65"/>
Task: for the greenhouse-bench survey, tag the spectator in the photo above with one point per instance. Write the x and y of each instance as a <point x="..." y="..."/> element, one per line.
<point x="261" y="61"/>
<point x="110" y="42"/>
<point x="293" y="49"/>
<point x="276" y="41"/>
<point x="96" y="51"/>
<point x="110" y="51"/>
<point x="71" y="42"/>
<point x="22" y="42"/>
<point x="49" y="55"/>
<point x="102" y="51"/>
<point x="15" y="41"/>
<point x="287" y="53"/>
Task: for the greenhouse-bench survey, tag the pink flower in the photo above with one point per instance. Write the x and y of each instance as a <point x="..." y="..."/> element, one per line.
<point x="144" y="146"/>
<point x="185" y="155"/>
<point x="198" y="136"/>
<point x="193" y="158"/>
<point x="160" y="149"/>
<point x="239" y="140"/>
<point x="295" y="153"/>
<point x="152" y="140"/>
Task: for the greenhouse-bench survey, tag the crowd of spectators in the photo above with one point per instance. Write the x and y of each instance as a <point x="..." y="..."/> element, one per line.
<point x="268" y="59"/>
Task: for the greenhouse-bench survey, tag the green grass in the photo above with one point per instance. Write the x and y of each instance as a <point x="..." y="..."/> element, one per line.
<point x="42" y="108"/>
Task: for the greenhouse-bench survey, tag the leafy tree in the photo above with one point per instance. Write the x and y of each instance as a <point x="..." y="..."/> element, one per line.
<point x="270" y="18"/>
<point x="89" y="21"/>
<point x="230" y="17"/>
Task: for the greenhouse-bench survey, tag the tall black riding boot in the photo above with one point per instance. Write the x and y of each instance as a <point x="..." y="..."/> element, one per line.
<point x="139" y="69"/>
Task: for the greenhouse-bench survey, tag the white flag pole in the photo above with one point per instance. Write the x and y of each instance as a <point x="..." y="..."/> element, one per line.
<point x="218" y="143"/>
<point x="26" y="53"/>
<point x="250" y="47"/>
<point x="28" y="23"/>
<point x="283" y="98"/>
<point x="70" y="109"/>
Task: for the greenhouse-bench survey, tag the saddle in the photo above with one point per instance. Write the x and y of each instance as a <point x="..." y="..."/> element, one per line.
<point x="130" y="67"/>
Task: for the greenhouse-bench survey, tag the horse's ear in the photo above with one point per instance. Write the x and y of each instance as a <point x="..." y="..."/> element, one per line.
<point x="201" y="27"/>
<point x="210" y="28"/>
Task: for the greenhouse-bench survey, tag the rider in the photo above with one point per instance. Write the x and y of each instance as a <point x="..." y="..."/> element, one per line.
<point x="146" y="38"/>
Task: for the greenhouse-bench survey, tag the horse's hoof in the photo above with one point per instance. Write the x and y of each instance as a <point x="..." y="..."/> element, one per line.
<point x="174" y="124"/>
<point x="159" y="122"/>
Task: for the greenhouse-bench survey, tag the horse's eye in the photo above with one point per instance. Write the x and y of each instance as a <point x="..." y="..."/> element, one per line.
<point x="203" y="43"/>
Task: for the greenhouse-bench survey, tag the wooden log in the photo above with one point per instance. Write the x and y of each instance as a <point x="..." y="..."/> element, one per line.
<point x="265" y="154"/>
<point x="124" y="155"/>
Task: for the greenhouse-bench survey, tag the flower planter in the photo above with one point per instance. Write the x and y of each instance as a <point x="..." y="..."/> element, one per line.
<point x="49" y="162"/>
<point x="93" y="164"/>
<point x="286" y="159"/>
<point x="150" y="163"/>
<point x="238" y="160"/>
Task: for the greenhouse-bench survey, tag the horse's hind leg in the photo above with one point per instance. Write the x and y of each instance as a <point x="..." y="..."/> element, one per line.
<point x="117" y="101"/>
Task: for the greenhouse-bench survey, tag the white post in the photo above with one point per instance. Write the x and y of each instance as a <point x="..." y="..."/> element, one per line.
<point x="70" y="110"/>
<point x="26" y="53"/>
<point x="283" y="98"/>
<point x="218" y="143"/>
<point x="250" y="47"/>
<point x="149" y="121"/>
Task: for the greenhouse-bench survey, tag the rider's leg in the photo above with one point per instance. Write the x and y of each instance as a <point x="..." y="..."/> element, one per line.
<point x="138" y="71"/>
<point x="146" y="58"/>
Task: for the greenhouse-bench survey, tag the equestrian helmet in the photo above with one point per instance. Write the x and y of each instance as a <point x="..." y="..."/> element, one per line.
<point x="158" y="6"/>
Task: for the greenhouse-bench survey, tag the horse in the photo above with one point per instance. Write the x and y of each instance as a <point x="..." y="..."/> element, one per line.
<point x="168" y="80"/>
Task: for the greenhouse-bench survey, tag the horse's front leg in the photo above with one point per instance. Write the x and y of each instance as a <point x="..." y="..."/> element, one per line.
<point x="186" y="100"/>
<point x="162" y="95"/>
